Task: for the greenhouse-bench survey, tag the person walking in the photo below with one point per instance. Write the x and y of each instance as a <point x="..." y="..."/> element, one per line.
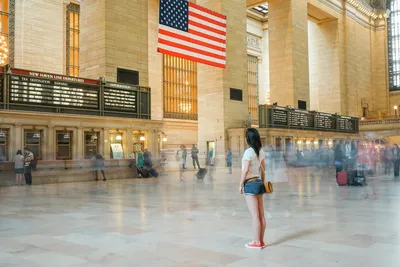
<point x="229" y="160"/>
<point x="27" y="168"/>
<point x="396" y="160"/>
<point x="184" y="157"/>
<point x="180" y="157"/>
<point x="147" y="158"/>
<point x="19" y="167"/>
<point x="338" y="155"/>
<point x="195" y="156"/>
<point x="252" y="185"/>
<point x="99" y="166"/>
<point x="387" y="159"/>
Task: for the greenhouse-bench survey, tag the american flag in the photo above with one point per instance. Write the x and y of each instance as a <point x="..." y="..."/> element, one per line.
<point x="192" y="32"/>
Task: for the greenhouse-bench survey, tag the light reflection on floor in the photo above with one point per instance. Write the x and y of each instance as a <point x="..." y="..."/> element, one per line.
<point x="161" y="222"/>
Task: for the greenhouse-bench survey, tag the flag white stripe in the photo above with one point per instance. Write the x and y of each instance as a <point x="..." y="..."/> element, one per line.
<point x="213" y="34"/>
<point x="206" y="23"/>
<point x="204" y="14"/>
<point x="192" y="54"/>
<point x="193" y="36"/>
<point x="200" y="47"/>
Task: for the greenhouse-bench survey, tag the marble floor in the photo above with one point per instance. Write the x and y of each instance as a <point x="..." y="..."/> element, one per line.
<point x="161" y="222"/>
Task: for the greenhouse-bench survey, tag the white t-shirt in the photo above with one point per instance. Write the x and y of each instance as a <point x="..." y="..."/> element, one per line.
<point x="255" y="162"/>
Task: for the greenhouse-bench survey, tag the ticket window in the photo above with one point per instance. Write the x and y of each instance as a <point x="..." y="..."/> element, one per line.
<point x="33" y="141"/>
<point x="91" y="144"/>
<point x="278" y="144"/>
<point x="139" y="142"/>
<point x="64" y="145"/>
<point x="116" y="151"/>
<point x="3" y="144"/>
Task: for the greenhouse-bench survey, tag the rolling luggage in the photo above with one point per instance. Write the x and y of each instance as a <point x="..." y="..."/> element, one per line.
<point x="342" y="179"/>
<point x="357" y="177"/>
<point x="201" y="173"/>
<point x="352" y="176"/>
<point x="154" y="173"/>
<point x="145" y="173"/>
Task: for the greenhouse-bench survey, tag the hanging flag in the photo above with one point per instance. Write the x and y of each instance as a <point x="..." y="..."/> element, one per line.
<point x="189" y="31"/>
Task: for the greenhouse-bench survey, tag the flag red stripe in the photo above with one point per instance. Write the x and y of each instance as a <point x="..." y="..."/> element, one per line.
<point x="219" y="40"/>
<point x="206" y="28"/>
<point x="191" y="49"/>
<point x="193" y="14"/>
<point x="207" y="10"/>
<point x="191" y="40"/>
<point x="195" y="59"/>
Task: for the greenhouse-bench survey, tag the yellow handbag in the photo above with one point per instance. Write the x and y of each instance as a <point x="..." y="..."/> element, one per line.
<point x="267" y="184"/>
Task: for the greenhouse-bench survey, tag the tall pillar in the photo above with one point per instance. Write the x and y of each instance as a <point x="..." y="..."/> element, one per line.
<point x="216" y="111"/>
<point x="106" y="144"/>
<point x="288" y="52"/>
<point x="51" y="143"/>
<point x="80" y="148"/>
<point x="114" y="34"/>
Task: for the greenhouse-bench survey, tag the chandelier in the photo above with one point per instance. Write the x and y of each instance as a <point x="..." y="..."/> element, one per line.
<point x="3" y="50"/>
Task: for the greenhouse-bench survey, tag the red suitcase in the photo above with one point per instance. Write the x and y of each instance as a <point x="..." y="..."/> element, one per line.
<point x="342" y="178"/>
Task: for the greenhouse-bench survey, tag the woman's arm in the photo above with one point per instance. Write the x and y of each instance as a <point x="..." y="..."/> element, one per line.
<point x="263" y="166"/>
<point x="244" y="175"/>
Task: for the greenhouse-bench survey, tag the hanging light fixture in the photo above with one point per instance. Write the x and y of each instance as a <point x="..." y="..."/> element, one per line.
<point x="3" y="50"/>
<point x="119" y="136"/>
<point x="142" y="138"/>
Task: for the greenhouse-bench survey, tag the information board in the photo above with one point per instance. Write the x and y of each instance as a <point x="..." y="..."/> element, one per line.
<point x="35" y="88"/>
<point x="121" y="97"/>
<point x="281" y="117"/>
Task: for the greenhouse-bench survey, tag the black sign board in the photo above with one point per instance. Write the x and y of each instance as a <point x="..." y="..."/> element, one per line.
<point x="121" y="97"/>
<point x="36" y="88"/>
<point x="281" y="117"/>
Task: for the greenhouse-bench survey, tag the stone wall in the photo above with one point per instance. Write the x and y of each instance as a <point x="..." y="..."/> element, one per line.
<point x="39" y="35"/>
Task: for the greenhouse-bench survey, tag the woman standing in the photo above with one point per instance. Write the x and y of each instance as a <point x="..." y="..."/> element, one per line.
<point x="140" y="162"/>
<point x="229" y="160"/>
<point x="396" y="160"/>
<point x="19" y="167"/>
<point x="252" y="185"/>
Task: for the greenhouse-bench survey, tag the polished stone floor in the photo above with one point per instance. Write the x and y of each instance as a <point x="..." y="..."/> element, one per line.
<point x="161" y="222"/>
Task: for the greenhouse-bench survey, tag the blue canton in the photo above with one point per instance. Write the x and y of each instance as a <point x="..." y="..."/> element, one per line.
<point x="175" y="14"/>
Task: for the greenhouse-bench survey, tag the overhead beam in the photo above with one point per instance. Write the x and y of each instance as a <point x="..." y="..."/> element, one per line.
<point x="253" y="3"/>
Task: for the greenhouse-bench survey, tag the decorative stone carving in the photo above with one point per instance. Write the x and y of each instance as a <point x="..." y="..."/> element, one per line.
<point x="254" y="43"/>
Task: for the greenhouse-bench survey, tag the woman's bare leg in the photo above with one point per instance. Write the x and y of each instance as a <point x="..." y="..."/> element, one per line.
<point x="252" y="204"/>
<point x="263" y="222"/>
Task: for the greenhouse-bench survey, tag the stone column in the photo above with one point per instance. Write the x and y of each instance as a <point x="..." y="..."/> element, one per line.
<point x="114" y="34"/>
<point x="216" y="111"/>
<point x="129" y="143"/>
<point x="106" y="143"/>
<point x="15" y="134"/>
<point x="288" y="51"/>
<point x="80" y="148"/>
<point x="51" y="144"/>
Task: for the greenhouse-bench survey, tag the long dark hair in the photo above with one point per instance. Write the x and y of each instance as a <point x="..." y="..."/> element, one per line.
<point x="19" y="152"/>
<point x="253" y="140"/>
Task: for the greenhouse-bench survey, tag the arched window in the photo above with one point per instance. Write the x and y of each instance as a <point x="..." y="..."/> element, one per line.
<point x="72" y="26"/>
<point x="394" y="44"/>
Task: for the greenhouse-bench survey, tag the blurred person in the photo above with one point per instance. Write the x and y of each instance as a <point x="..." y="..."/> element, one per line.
<point x="184" y="157"/>
<point x="396" y="160"/>
<point x="338" y="158"/>
<point x="181" y="161"/>
<point x="147" y="157"/>
<point x="29" y="157"/>
<point x="270" y="155"/>
<point x="252" y="185"/>
<point x="140" y="160"/>
<point x="99" y="166"/>
<point x="195" y="156"/>
<point x="228" y="157"/>
<point x="372" y="159"/>
<point x="19" y="167"/>
<point x="387" y="159"/>
<point x="349" y="155"/>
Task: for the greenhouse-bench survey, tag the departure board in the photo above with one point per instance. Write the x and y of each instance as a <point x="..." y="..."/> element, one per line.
<point x="325" y="121"/>
<point x="282" y="117"/>
<point x="35" y="88"/>
<point x="121" y="97"/>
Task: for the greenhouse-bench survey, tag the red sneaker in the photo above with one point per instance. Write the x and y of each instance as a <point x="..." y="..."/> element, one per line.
<point x="254" y="244"/>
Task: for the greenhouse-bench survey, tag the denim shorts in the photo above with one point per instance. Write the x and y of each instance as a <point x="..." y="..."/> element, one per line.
<point x="254" y="187"/>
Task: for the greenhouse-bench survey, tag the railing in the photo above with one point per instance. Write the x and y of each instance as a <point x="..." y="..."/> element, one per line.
<point x="380" y="121"/>
<point x="45" y="92"/>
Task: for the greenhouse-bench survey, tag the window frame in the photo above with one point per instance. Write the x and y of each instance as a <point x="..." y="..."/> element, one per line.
<point x="72" y="68"/>
<point x="27" y="131"/>
<point x="392" y="42"/>
<point x="180" y="88"/>
<point x="5" y="19"/>
<point x="85" y="133"/>
<point x="6" y="144"/>
<point x="252" y="86"/>
<point x="63" y="145"/>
